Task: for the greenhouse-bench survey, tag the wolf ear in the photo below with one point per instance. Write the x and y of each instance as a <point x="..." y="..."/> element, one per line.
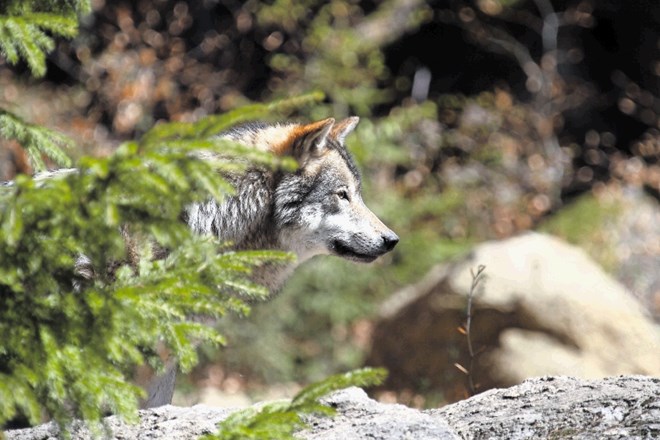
<point x="343" y="128"/>
<point x="308" y="140"/>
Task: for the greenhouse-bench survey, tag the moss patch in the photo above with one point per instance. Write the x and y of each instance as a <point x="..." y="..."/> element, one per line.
<point x="584" y="223"/>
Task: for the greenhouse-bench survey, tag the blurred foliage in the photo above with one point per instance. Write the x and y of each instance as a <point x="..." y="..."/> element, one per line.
<point x="584" y="223"/>
<point x="332" y="50"/>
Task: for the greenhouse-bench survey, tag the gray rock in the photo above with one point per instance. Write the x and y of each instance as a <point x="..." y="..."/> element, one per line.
<point x="625" y="407"/>
<point x="359" y="417"/>
<point x="635" y="238"/>
<point x="165" y="422"/>
<point x="561" y="408"/>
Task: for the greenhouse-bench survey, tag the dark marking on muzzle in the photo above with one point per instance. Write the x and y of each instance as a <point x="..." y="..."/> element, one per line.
<point x="345" y="250"/>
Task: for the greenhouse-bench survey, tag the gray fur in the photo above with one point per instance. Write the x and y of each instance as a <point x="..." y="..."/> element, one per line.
<point x="161" y="390"/>
<point x="282" y="211"/>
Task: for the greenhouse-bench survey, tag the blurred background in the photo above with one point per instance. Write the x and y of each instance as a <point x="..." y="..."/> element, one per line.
<point x="480" y="120"/>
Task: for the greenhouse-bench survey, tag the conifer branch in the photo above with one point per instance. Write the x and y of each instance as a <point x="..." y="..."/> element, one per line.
<point x="24" y="37"/>
<point x="36" y="140"/>
<point x="114" y="319"/>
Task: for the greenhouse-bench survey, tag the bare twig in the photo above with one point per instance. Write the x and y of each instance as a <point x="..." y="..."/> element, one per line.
<point x="467" y="329"/>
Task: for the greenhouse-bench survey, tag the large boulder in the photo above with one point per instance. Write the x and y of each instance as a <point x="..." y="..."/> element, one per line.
<point x="542" y="308"/>
<point x="548" y="407"/>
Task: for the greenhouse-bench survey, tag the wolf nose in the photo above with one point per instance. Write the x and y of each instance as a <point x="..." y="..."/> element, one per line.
<point x="390" y="240"/>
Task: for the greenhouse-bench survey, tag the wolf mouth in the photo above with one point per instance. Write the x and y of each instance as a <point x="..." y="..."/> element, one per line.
<point x="344" y="251"/>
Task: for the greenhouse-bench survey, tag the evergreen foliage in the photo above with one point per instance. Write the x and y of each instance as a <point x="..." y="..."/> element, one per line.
<point x="27" y="29"/>
<point x="279" y="420"/>
<point x="68" y="351"/>
<point x="36" y="140"/>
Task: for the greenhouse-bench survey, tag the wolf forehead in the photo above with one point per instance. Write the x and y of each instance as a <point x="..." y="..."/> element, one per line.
<point x="302" y="141"/>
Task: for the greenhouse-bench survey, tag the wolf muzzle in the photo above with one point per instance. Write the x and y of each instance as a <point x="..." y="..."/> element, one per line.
<point x="363" y="250"/>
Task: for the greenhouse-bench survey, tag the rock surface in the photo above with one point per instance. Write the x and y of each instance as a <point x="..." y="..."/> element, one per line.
<point x="635" y="238"/>
<point x="359" y="417"/>
<point x="548" y="407"/>
<point x="543" y="308"/>
<point x="165" y="422"/>
<point x="560" y="408"/>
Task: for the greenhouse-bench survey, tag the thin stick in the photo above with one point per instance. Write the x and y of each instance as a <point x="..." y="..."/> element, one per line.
<point x="476" y="278"/>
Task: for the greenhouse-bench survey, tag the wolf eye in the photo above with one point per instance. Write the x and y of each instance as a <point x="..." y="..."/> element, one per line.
<point x="342" y="194"/>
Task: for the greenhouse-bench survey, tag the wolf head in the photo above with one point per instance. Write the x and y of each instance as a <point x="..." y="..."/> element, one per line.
<point x="318" y="209"/>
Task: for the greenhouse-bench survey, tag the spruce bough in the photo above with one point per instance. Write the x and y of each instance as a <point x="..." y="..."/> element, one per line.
<point x="69" y="351"/>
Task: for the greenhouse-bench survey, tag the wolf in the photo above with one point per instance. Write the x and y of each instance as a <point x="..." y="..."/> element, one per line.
<point x="315" y="210"/>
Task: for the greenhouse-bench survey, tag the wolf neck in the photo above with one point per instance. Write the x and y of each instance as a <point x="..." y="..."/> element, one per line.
<point x="246" y="221"/>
